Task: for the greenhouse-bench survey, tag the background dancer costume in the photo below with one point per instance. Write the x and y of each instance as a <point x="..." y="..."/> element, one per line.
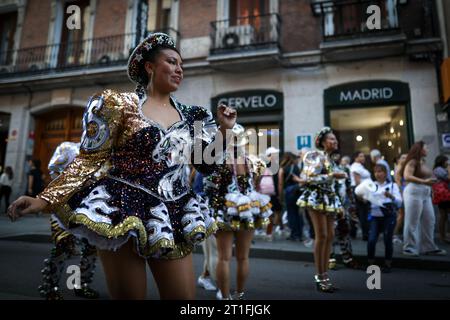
<point x="343" y="222"/>
<point x="65" y="243"/>
<point x="233" y="199"/>
<point x="319" y="192"/>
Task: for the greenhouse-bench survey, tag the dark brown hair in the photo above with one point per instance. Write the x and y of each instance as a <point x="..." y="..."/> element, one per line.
<point x="356" y="155"/>
<point x="415" y="153"/>
<point x="440" y="161"/>
<point x="288" y="159"/>
<point x="9" y="173"/>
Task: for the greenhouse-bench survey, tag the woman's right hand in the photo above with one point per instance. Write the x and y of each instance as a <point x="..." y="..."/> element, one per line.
<point x="430" y="181"/>
<point x="25" y="205"/>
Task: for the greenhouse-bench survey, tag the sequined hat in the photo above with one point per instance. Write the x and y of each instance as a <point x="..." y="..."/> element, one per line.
<point x="136" y="62"/>
<point x="320" y="136"/>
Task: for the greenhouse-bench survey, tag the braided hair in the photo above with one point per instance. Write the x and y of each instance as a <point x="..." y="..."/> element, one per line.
<point x="320" y="137"/>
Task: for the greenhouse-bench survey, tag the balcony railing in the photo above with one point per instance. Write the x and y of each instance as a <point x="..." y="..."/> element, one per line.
<point x="343" y="19"/>
<point x="90" y="53"/>
<point x="245" y="33"/>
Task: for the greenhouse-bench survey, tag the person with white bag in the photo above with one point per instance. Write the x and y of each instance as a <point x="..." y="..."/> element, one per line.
<point x="386" y="200"/>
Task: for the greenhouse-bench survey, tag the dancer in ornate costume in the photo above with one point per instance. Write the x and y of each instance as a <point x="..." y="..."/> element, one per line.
<point x="65" y="243"/>
<point x="127" y="191"/>
<point x="343" y="221"/>
<point x="238" y="210"/>
<point x="322" y="201"/>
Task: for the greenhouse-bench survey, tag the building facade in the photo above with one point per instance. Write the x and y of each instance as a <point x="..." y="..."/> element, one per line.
<point x="367" y="68"/>
<point x="443" y="110"/>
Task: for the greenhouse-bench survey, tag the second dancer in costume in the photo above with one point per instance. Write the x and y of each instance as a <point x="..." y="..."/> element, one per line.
<point x="238" y="210"/>
<point x="65" y="243"/>
<point x="344" y="221"/>
<point x="322" y="201"/>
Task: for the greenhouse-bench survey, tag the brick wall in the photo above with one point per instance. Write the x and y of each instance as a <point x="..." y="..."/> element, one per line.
<point x="300" y="30"/>
<point x="195" y="17"/>
<point x="36" y="22"/>
<point x="110" y="18"/>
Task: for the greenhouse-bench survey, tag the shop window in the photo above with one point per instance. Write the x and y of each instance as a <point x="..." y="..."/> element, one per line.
<point x="363" y="129"/>
<point x="269" y="132"/>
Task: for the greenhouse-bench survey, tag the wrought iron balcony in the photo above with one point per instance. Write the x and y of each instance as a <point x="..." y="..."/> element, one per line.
<point x="347" y="19"/>
<point x="245" y="33"/>
<point x="86" y="54"/>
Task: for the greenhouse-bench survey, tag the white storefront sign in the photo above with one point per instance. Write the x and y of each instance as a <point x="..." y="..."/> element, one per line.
<point x="252" y="102"/>
<point x="366" y="94"/>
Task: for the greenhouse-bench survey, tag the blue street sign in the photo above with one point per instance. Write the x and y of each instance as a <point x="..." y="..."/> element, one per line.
<point x="304" y="141"/>
<point x="446" y="140"/>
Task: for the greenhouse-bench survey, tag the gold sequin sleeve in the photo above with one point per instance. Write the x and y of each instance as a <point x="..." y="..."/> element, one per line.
<point x="102" y="122"/>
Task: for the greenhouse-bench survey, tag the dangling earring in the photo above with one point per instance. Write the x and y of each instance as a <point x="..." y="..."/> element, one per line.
<point x="150" y="82"/>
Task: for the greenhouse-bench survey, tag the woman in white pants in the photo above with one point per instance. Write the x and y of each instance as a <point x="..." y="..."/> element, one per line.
<point x="418" y="234"/>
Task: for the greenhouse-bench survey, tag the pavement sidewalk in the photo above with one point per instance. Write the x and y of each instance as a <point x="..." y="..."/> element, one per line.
<point x="37" y="229"/>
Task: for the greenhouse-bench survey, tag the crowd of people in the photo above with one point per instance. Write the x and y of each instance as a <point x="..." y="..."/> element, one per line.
<point x="362" y="198"/>
<point x="133" y="199"/>
<point x="398" y="203"/>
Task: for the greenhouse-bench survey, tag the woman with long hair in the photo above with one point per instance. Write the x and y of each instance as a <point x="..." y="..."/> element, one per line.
<point x="127" y="191"/>
<point x="288" y="181"/>
<point x="419" y="213"/>
<point x="320" y="198"/>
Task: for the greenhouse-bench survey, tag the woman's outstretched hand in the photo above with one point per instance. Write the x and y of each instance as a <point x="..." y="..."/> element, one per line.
<point x="226" y="116"/>
<point x="25" y="205"/>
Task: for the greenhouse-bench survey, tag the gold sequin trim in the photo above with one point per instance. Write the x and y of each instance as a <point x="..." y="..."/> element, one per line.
<point x="266" y="207"/>
<point x="327" y="209"/>
<point x="198" y="229"/>
<point x="180" y="250"/>
<point x="244" y="207"/>
<point x="68" y="217"/>
<point x="238" y="225"/>
<point x="230" y="204"/>
<point x="256" y="204"/>
<point x="163" y="243"/>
